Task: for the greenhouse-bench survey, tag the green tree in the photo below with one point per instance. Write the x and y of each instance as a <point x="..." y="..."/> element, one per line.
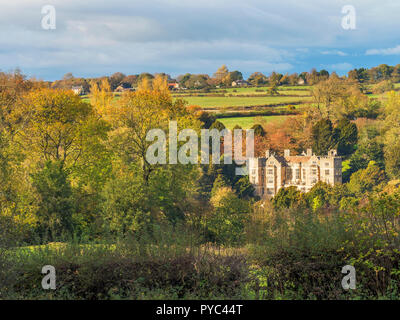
<point x="347" y="136"/>
<point x="258" y="130"/>
<point x="323" y="138"/>
<point x="258" y="79"/>
<point x="217" y="125"/>
<point x="287" y="198"/>
<point x="365" y="180"/>
<point x="243" y="188"/>
<point x="227" y="221"/>
<point x="55" y="204"/>
<point x="219" y="183"/>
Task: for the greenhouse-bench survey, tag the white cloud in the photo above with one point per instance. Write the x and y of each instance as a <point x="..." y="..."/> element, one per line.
<point x="344" y="66"/>
<point x="100" y="36"/>
<point x="384" y="52"/>
<point x="334" y="52"/>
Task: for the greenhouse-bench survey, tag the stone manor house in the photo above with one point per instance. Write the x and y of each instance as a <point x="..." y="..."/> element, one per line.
<point x="273" y="172"/>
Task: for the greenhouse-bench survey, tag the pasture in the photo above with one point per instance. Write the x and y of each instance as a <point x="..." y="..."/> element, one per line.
<point x="221" y="102"/>
<point x="248" y="122"/>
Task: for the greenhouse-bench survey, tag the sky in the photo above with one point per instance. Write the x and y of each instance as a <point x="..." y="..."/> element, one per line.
<point x="95" y="38"/>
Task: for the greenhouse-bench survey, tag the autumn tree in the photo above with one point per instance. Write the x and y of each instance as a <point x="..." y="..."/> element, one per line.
<point x="101" y="97"/>
<point x="258" y="79"/>
<point x="60" y="126"/>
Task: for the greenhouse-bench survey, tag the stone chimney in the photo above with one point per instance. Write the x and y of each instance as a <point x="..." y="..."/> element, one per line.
<point x="332" y="153"/>
<point x="267" y="154"/>
<point x="309" y="152"/>
<point x="286" y="153"/>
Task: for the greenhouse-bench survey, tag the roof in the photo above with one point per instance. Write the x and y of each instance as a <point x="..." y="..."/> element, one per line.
<point x="298" y="159"/>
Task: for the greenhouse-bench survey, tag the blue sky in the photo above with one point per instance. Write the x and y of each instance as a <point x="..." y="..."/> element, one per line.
<point x="94" y="38"/>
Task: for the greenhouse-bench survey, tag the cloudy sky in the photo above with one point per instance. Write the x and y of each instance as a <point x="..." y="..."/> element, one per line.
<point x="100" y="37"/>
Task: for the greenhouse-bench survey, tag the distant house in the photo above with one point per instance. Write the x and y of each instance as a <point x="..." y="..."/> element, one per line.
<point x="173" y="86"/>
<point x="123" y="88"/>
<point x="301" y="82"/>
<point x="77" y="90"/>
<point x="239" y="83"/>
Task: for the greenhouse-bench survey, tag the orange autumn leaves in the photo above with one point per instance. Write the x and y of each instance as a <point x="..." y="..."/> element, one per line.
<point x="294" y="134"/>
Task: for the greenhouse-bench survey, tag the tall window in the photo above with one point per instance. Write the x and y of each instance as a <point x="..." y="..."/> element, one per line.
<point x="289" y="173"/>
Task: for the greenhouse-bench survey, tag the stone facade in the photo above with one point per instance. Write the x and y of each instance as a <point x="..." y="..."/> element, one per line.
<point x="273" y="172"/>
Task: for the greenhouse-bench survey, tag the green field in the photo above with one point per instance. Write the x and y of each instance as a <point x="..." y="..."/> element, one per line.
<point x="248" y="122"/>
<point x="218" y="102"/>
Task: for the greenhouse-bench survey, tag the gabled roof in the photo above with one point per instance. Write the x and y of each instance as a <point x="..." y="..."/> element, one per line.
<point x="298" y="159"/>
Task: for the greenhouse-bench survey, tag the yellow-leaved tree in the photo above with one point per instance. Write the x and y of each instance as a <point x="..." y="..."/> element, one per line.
<point x="101" y="97"/>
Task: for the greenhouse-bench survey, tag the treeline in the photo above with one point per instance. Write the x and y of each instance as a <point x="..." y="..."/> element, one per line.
<point x="223" y="78"/>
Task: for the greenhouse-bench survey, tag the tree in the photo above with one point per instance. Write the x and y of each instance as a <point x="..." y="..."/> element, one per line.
<point x="150" y="107"/>
<point x="275" y="79"/>
<point x="391" y="126"/>
<point x="347" y="137"/>
<point x="323" y="138"/>
<point x="243" y="188"/>
<point x="68" y="76"/>
<point x="116" y="80"/>
<point x="56" y="127"/>
<point x="368" y="150"/>
<point x="336" y="98"/>
<point x="365" y="180"/>
<point x="232" y="76"/>
<point x="258" y="130"/>
<point x="55" y="207"/>
<point x="221" y="73"/>
<point x="383" y="86"/>
<point x="219" y="183"/>
<point x="361" y="75"/>
<point x="287" y="197"/>
<point x="258" y="79"/>
<point x="319" y="195"/>
<point x="101" y="97"/>
<point x="227" y="221"/>
<point x="126" y="204"/>
<point x="217" y="125"/>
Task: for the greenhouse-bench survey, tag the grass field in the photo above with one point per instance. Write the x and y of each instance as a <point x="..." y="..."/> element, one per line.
<point x="218" y="102"/>
<point x="248" y="122"/>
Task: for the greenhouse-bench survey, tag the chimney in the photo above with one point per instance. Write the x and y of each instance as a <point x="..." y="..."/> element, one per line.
<point x="267" y="154"/>
<point x="333" y="153"/>
<point x="286" y="153"/>
<point x="309" y="152"/>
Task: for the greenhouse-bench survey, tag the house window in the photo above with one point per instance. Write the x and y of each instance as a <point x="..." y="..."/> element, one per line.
<point x="327" y="172"/>
<point x="326" y="164"/>
<point x="304" y="173"/>
<point x="253" y="171"/>
<point x="270" y="171"/>
<point x="297" y="174"/>
<point x="270" y="181"/>
<point x="314" y="172"/>
<point x="289" y="173"/>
